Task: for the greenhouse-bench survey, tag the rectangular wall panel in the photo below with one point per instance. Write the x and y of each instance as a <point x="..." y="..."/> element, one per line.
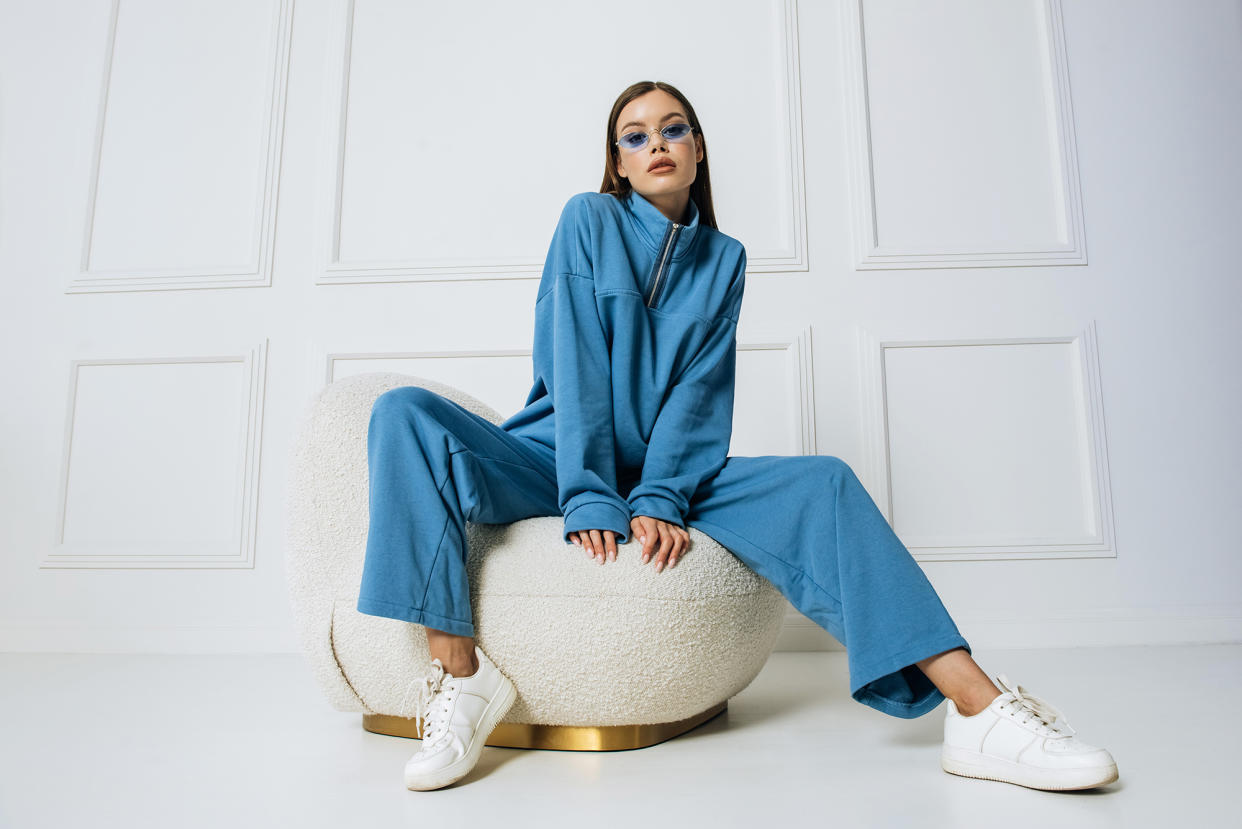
<point x="187" y="146"/>
<point x="962" y="150"/>
<point x="990" y="448"/>
<point x="770" y="377"/>
<point x="160" y="464"/>
<point x="416" y="186"/>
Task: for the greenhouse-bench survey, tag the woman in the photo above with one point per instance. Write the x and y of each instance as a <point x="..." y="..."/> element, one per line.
<point x="625" y="433"/>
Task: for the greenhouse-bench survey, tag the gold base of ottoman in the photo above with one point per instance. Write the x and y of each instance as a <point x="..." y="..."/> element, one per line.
<point x="561" y="737"/>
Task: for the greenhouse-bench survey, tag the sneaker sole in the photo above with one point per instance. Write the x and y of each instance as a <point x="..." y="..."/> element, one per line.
<point x="984" y="767"/>
<point x="453" y="772"/>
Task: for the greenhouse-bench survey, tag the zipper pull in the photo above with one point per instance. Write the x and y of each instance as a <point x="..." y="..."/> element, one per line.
<point x="668" y="246"/>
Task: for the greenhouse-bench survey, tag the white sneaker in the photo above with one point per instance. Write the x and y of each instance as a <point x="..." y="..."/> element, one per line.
<point x="457" y="715"/>
<point x="1022" y="739"/>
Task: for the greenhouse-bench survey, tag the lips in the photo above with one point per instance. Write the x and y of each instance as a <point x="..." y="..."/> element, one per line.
<point x="661" y="162"/>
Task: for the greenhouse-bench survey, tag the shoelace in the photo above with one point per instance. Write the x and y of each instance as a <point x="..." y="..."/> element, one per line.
<point x="431" y="708"/>
<point x="1034" y="710"/>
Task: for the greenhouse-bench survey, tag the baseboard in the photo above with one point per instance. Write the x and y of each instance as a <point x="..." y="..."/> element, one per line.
<point x="1103" y="627"/>
<point x="1107" y="627"/>
<point x="78" y="638"/>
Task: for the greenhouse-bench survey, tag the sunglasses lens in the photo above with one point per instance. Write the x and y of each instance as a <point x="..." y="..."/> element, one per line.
<point x="638" y="140"/>
<point x="633" y="140"/>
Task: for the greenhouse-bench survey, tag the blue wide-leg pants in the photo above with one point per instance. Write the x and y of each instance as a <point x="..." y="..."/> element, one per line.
<point x="803" y="522"/>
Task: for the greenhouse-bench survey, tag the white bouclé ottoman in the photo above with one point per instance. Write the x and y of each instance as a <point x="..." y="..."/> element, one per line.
<point x="603" y="657"/>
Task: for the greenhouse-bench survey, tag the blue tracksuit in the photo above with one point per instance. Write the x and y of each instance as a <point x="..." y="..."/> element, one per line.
<point x="631" y="414"/>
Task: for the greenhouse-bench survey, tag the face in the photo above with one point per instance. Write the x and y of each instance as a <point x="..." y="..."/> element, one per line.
<point x="651" y="111"/>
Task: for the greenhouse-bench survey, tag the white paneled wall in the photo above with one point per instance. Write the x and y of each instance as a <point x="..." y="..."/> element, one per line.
<point x="962" y="147"/>
<point x="990" y="448"/>
<point x="187" y="146"/>
<point x="160" y="464"/>
<point x="915" y="183"/>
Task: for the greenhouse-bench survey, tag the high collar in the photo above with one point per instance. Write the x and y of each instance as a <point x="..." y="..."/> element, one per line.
<point x="653" y="225"/>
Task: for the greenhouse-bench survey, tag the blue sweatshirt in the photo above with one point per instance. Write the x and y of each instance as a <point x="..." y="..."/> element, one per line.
<point x="634" y="359"/>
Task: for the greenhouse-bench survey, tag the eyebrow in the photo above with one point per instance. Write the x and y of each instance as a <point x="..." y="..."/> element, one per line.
<point x="640" y="123"/>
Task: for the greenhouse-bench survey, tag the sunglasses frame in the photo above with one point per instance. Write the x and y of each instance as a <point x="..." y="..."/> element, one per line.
<point x="647" y="136"/>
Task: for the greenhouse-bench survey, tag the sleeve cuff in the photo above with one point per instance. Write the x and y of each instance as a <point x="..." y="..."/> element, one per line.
<point x="598" y="515"/>
<point x="657" y="507"/>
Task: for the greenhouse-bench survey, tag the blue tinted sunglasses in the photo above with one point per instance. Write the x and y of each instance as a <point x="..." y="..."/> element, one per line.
<point x="636" y="140"/>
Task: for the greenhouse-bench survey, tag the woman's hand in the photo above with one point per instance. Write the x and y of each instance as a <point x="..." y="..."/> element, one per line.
<point x="598" y="543"/>
<point x="668" y="541"/>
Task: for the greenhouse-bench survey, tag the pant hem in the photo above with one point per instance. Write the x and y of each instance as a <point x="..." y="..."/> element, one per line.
<point x="904" y="663"/>
<point x="418" y="616"/>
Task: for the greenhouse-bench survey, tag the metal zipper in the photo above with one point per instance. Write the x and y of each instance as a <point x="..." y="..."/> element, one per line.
<point x="663" y="261"/>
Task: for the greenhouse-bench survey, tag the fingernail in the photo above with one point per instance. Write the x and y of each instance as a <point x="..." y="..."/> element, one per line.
<point x="659" y="566"/>
<point x="672" y="562"/>
<point x="642" y="539"/>
<point x="646" y="559"/>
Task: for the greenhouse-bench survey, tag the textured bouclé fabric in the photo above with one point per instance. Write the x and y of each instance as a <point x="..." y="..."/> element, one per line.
<point x="584" y="644"/>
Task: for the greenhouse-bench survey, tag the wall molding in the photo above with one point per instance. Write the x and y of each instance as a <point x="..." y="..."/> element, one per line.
<point x="802" y="375"/>
<point x="876" y="475"/>
<point x="322" y="362"/>
<point x="327" y="360"/>
<point x="869" y="254"/>
<point x="333" y="271"/>
<point x="68" y="555"/>
<point x="258" y="272"/>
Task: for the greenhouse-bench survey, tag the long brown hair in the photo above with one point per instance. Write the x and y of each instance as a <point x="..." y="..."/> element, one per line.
<point x="700" y="190"/>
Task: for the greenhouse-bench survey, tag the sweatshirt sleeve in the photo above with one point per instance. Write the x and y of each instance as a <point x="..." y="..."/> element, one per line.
<point x="575" y="354"/>
<point x="690" y="440"/>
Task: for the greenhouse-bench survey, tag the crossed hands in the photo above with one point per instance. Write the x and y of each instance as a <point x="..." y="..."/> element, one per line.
<point x="667" y="541"/>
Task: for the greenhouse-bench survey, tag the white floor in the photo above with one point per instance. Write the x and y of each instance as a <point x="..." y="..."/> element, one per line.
<point x="101" y="740"/>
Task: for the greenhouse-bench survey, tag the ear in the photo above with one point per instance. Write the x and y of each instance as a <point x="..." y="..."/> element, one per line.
<point x="698" y="146"/>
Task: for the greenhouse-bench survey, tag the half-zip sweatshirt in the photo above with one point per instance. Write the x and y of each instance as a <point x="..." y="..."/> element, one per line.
<point x="634" y="358"/>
